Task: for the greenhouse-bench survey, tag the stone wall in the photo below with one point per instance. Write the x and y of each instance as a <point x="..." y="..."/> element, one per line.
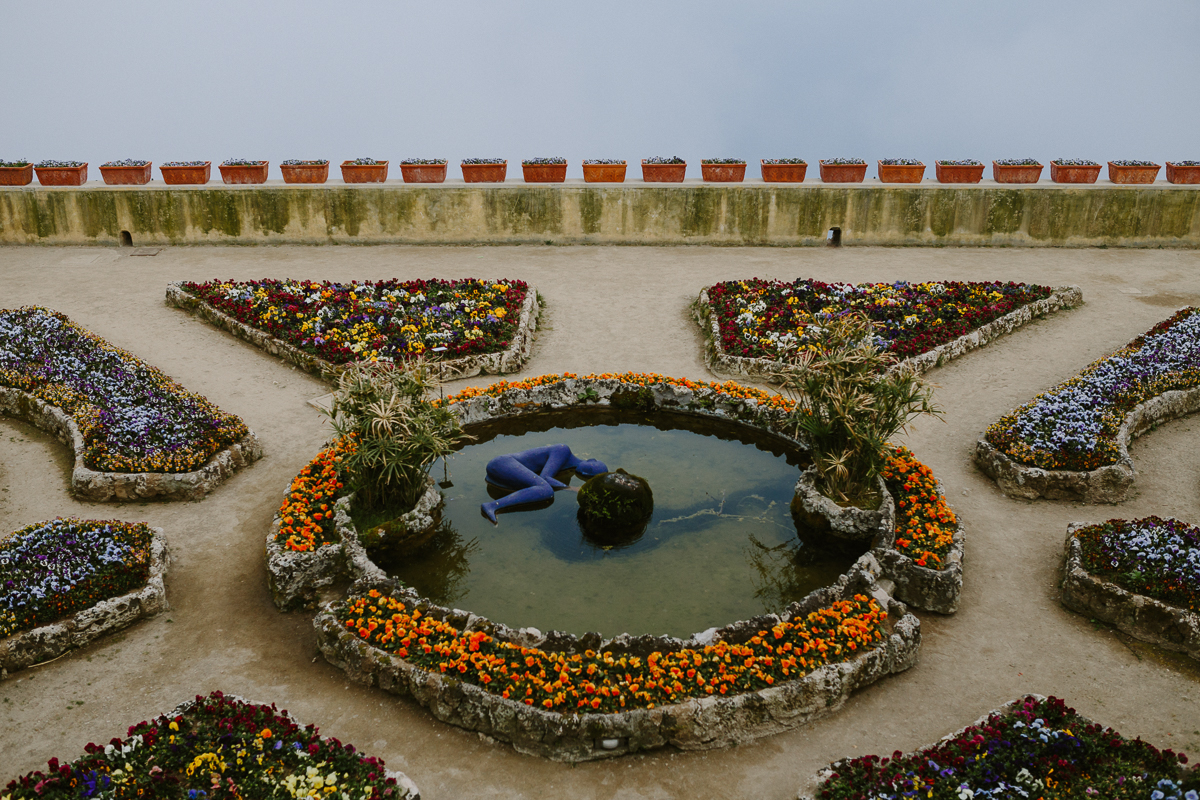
<point x="1141" y="617"/>
<point x="30" y="648"/>
<point x="753" y="213"/>
<point x="90" y="484"/>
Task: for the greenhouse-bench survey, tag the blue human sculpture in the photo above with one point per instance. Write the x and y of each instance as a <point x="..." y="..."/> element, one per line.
<point x="531" y="474"/>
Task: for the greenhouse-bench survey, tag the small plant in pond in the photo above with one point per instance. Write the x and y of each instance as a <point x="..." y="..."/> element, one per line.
<point x="722" y="161"/>
<point x="241" y="162"/>
<point x="841" y="161"/>
<point x="423" y="162"/>
<point x="964" y="162"/>
<point x="785" y="161"/>
<point x="364" y="162"/>
<point x="49" y="163"/>
<point x="296" y="162"/>
<point x="1129" y="163"/>
<point x="604" y="161"/>
<point x="129" y="162"/>
<point x="1018" y="162"/>
<point x="1076" y="162"/>
<point x="544" y="161"/>
<point x="398" y="432"/>
<point x="902" y="162"/>
<point x="851" y="397"/>
<point x="665" y="160"/>
<point x="483" y="160"/>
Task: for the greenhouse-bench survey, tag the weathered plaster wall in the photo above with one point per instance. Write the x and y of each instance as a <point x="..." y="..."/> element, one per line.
<point x="577" y="213"/>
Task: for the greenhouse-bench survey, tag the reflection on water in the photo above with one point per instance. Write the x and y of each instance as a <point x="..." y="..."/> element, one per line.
<point x="721" y="545"/>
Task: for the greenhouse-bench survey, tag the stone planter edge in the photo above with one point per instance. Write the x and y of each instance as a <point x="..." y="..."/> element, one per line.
<point x="47" y="642"/>
<point x="724" y="365"/>
<point x="90" y="484"/>
<point x="509" y="360"/>
<point x="1107" y="484"/>
<point x="1139" y="616"/>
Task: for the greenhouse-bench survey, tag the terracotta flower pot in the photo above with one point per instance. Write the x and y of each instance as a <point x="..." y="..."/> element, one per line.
<point x="544" y="173"/>
<point x="901" y="173"/>
<point x="305" y="173"/>
<point x="423" y="173"/>
<point x="663" y="173"/>
<point x="244" y="173"/>
<point x="62" y="176"/>
<point x="723" y="173"/>
<point x="1066" y="173"/>
<point x="604" y="173"/>
<point x="1016" y="173"/>
<point x="783" y="173"/>
<point x="189" y="175"/>
<point x="1183" y="173"/>
<point x="484" y="173"/>
<point x="843" y="173"/>
<point x="16" y="176"/>
<point x="364" y="173"/>
<point x="1118" y="173"/>
<point x="126" y="176"/>
<point x="958" y="173"/>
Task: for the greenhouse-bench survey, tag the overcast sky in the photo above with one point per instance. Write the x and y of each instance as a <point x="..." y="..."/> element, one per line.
<point x="98" y="81"/>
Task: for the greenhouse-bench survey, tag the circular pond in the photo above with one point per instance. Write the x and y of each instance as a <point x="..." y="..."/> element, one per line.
<point x="721" y="544"/>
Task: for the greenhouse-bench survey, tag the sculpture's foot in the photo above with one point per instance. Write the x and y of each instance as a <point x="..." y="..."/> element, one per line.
<point x="489" y="511"/>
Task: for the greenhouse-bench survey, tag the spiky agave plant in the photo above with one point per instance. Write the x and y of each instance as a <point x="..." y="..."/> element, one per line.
<point x="851" y="398"/>
<point x="387" y="411"/>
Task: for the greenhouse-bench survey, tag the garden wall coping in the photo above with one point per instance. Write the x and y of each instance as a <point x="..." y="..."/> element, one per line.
<point x="1107" y="484"/>
<point x="729" y="366"/>
<point x="90" y="484"/>
<point x="1141" y="617"/>
<point x="509" y="360"/>
<point x="47" y="642"/>
<point x="695" y="724"/>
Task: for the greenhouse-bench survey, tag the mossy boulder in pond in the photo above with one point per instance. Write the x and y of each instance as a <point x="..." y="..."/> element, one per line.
<point x="614" y="507"/>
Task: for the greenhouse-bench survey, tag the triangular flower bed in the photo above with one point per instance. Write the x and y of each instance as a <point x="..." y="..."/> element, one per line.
<point x="752" y="323"/>
<point x="468" y="326"/>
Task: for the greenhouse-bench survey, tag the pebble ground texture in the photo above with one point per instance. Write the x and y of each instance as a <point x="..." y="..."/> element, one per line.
<point x="608" y="309"/>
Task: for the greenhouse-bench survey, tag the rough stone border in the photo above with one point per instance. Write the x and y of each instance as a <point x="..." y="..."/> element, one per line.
<point x="509" y="360"/>
<point x="1107" y="484"/>
<point x="402" y="781"/>
<point x="727" y="366"/>
<point x="1139" y="616"/>
<point x="297" y="579"/>
<point x="31" y="648"/>
<point x="695" y="724"/>
<point x="825" y="772"/>
<point x="90" y="484"/>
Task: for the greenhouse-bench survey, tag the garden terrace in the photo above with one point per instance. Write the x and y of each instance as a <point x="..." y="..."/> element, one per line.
<point x="752" y="213"/>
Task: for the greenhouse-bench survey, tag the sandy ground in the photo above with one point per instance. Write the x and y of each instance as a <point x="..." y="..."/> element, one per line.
<point x="608" y="309"/>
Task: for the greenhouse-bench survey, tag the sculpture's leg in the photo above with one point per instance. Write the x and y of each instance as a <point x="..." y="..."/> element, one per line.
<point x="531" y="494"/>
<point x="560" y="456"/>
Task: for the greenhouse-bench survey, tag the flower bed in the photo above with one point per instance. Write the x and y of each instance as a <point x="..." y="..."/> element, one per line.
<point x="135" y="432"/>
<point x="1035" y="747"/>
<point x="484" y="326"/>
<point x="1071" y="442"/>
<point x="751" y="323"/>
<point x="214" y="747"/>
<point x="1141" y="575"/>
<point x="65" y="582"/>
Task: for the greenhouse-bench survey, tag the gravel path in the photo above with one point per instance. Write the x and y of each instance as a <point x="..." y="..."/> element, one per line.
<point x="609" y="309"/>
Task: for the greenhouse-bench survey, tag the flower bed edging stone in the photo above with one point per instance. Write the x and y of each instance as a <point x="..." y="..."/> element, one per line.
<point x="511" y="359"/>
<point x="1107" y="484"/>
<point x="97" y="486"/>
<point x="695" y="724"/>
<point x="297" y="579"/>
<point x="729" y="366"/>
<point x="1141" y="617"/>
<point x="29" y="648"/>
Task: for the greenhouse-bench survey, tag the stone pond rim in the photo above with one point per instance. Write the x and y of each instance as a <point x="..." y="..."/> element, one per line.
<point x="750" y="214"/>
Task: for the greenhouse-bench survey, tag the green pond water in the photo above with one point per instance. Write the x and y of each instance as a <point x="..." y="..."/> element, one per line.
<point x="721" y="545"/>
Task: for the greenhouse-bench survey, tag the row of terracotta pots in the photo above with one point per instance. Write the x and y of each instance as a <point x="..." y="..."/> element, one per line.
<point x="598" y="173"/>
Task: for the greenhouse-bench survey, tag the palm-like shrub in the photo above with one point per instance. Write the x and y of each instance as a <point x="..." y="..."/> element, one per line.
<point x="851" y="397"/>
<point x="396" y="429"/>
